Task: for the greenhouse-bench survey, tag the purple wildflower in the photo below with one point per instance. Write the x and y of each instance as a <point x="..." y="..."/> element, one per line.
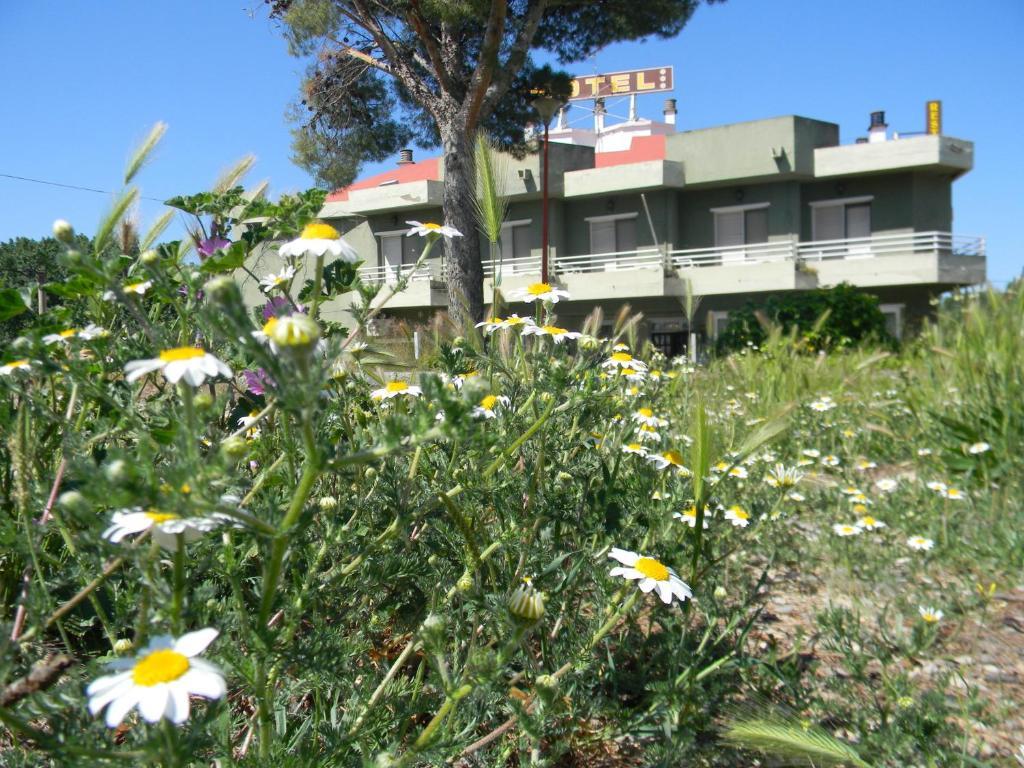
<point x="211" y="245"/>
<point x="257" y="382"/>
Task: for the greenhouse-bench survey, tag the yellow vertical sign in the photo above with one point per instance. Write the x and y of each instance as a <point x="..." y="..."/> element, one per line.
<point x="933" y="118"/>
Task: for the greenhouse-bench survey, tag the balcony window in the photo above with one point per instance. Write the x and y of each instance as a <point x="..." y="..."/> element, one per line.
<point x="393" y="254"/>
<point x="846" y="218"/>
<point x="516" y="243"/>
<point x="613" y="234"/>
<point x="893" y="319"/>
<point x="739" y="225"/>
<point x="718" y="322"/>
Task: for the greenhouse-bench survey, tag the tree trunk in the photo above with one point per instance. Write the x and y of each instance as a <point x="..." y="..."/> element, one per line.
<point x="463" y="268"/>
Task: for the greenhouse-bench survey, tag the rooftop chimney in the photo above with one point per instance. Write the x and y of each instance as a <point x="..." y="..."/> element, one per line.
<point x="670" y="111"/>
<point x="599" y="112"/>
<point x="877" y="129"/>
<point x="405" y="157"/>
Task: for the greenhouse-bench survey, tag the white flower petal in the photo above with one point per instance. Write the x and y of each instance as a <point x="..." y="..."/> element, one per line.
<point x="193" y="643"/>
<point x="177" y="703"/>
<point x="205" y="681"/>
<point x="153" y="701"/>
<point x="624" y="556"/>
<point x="647" y="584"/>
<point x="120" y="706"/>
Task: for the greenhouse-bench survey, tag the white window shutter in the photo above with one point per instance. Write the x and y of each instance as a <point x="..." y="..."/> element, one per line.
<point x="602" y="236"/>
<point x="728" y="229"/>
<point x="828" y="222"/>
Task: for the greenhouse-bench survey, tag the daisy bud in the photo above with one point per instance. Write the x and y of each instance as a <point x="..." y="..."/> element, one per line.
<point x="547" y="687"/>
<point x="588" y="343"/>
<point x="465" y="582"/>
<point x="720" y="593"/>
<point x="298" y="332"/>
<point x="371" y="472"/>
<point x="63" y="231"/>
<point x="433" y="628"/>
<point x="328" y="504"/>
<point x="203" y="401"/>
<point x="117" y="472"/>
<point x="526" y="602"/>
<point x="223" y="290"/>
<point x="233" y="448"/>
<point x="123" y="646"/>
<point x="72" y="501"/>
<point x="149" y="257"/>
<point x="71" y="257"/>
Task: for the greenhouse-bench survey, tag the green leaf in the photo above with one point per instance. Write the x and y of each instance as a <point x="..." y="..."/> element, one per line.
<point x="227" y="260"/>
<point x="79" y="285"/>
<point x="11" y="304"/>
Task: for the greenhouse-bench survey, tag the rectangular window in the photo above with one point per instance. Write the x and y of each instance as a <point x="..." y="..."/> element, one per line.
<point x="718" y="321"/>
<point x="893" y="319"/>
<point x="613" y="234"/>
<point x="847" y="218"/>
<point x="739" y="225"/>
<point x="516" y="243"/>
<point x="394" y="254"/>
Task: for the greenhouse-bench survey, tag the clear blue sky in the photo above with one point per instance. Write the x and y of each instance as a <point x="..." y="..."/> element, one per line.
<point x="83" y="81"/>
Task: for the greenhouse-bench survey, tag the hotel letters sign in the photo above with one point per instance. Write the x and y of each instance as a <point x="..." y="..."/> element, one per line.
<point x="933" y="118"/>
<point x="622" y="83"/>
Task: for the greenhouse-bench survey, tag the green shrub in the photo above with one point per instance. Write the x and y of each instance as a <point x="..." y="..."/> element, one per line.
<point x="824" y="318"/>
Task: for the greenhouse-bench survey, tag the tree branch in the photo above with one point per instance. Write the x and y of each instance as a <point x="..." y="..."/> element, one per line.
<point x="416" y="19"/>
<point x="488" y="62"/>
<point x="517" y="55"/>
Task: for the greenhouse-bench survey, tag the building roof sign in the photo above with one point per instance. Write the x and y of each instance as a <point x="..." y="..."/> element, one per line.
<point x="636" y="81"/>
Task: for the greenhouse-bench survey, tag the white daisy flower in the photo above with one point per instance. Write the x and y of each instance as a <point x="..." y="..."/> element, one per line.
<point x="868" y="523"/>
<point x="192" y="364"/>
<point x="689" y="516"/>
<point x="811" y="453"/>
<point x="830" y="461"/>
<point x="646" y="417"/>
<point x="429" y="228"/>
<point x="272" y="281"/>
<point x="489" y="405"/>
<point x="924" y="451"/>
<point x="137" y="289"/>
<point x="863" y="465"/>
<point x="652" y="575"/>
<point x="954" y="494"/>
<point x="738" y="516"/>
<point x="558" y="335"/>
<point x="844" y="529"/>
<point x="930" y="615"/>
<point x="635" y="448"/>
<point x="540" y="292"/>
<point x="491" y="325"/>
<point x="859" y="498"/>
<point x="164" y="526"/>
<point x="794" y="496"/>
<point x="20" y="366"/>
<point x="645" y="433"/>
<point x="978" y="448"/>
<point x="526" y="602"/>
<point x="318" y="239"/>
<point x="93" y="331"/>
<point x="738" y="472"/>
<point x="624" y="360"/>
<point x="887" y="484"/>
<point x="159" y="680"/>
<point x="920" y="543"/>
<point x="62" y="337"/>
<point x="781" y="476"/>
<point x="394" y="389"/>
<point x="822" y="404"/>
<point x="669" y="459"/>
<point x="620" y="347"/>
<point x="936" y="485"/>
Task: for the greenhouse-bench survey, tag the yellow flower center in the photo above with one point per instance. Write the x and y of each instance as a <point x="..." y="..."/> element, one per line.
<point x="634" y="446"/>
<point x="868" y="521"/>
<point x="269" y="325"/>
<point x="673" y="457"/>
<point x="181" y="353"/>
<point x="859" y="508"/>
<point x="432" y="226"/>
<point x="515" y="320"/>
<point x="489" y="402"/>
<point x="161" y="666"/>
<point x="160" y="517"/>
<point x="929" y="617"/>
<point x="627" y="371"/>
<point x="622" y="357"/>
<point x="647" y="413"/>
<point x="319" y="231"/>
<point x="651" y="568"/>
<point x="739" y="512"/>
<point x="396" y="386"/>
<point x="554" y="330"/>
<point x="68" y="333"/>
<point x="17" y="364"/>
<point x="539" y="289"/>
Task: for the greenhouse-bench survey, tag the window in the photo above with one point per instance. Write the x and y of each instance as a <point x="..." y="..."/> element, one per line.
<point x="393" y="254"/>
<point x="613" y="234"/>
<point x="718" y="321"/>
<point x="516" y="243"/>
<point x="893" y="319"/>
<point x="843" y="219"/>
<point x="739" y="225"/>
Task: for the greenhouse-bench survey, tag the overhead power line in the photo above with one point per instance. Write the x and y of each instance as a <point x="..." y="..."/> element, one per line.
<point x="70" y="186"/>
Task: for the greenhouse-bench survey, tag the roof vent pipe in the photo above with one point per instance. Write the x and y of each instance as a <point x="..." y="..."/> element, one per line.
<point x="877" y="129"/>
<point x="599" y="112"/>
<point x="670" y="111"/>
<point x="405" y="157"/>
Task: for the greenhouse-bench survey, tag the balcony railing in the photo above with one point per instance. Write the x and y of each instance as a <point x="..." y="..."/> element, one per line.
<point x="757" y="253"/>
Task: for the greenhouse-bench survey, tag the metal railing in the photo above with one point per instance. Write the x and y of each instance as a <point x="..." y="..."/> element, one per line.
<point x="756" y="253"/>
<point x="390" y="274"/>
